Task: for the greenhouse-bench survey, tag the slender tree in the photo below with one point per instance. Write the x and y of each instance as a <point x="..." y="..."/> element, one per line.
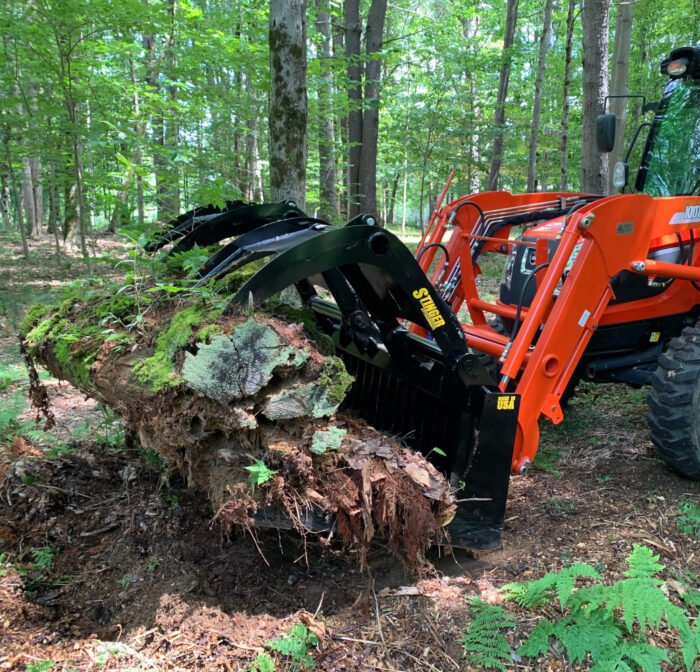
<point x="539" y="84"/>
<point x="499" y="117"/>
<point x="326" y="138"/>
<point x="620" y="77"/>
<point x="288" y="100"/>
<point x="594" y="164"/>
<point x="564" y="132"/>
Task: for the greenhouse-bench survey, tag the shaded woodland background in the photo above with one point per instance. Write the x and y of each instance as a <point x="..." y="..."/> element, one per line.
<point x="118" y="113"/>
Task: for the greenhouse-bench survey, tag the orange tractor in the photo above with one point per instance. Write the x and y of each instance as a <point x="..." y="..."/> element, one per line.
<point x="597" y="288"/>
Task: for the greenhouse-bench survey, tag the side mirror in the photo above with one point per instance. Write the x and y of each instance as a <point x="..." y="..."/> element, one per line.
<point x="605" y="132"/>
<point x="621" y="173"/>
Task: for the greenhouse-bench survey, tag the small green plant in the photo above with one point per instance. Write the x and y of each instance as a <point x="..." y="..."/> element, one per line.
<point x="603" y="479"/>
<point x="689" y="518"/>
<point x="296" y="644"/>
<point x="43" y="557"/>
<point x="484" y="642"/>
<point x="153" y="459"/>
<point x="4" y="565"/>
<point x="262" y="663"/>
<point x="41" y="666"/>
<point x="545" y="459"/>
<point x="559" y="507"/>
<point x="170" y="499"/>
<point x="259" y="473"/>
<point x="153" y="565"/>
<point x="610" y="623"/>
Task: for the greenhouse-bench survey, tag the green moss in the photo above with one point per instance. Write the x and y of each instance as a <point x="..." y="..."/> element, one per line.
<point x="205" y="334"/>
<point x="335" y="378"/>
<point x="119" y="305"/>
<point x="33" y="316"/>
<point x="74" y="360"/>
<point x="179" y="330"/>
<point x="156" y="372"/>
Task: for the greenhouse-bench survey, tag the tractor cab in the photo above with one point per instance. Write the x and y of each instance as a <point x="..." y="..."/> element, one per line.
<point x="670" y="163"/>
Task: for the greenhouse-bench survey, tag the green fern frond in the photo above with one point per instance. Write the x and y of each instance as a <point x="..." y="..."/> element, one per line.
<point x="596" y="635"/>
<point x="643" y="564"/>
<point x="645" y="656"/>
<point x="542" y="591"/>
<point x="537" y="644"/>
<point x="643" y="603"/>
<point x="690" y="645"/>
<point x="484" y="641"/>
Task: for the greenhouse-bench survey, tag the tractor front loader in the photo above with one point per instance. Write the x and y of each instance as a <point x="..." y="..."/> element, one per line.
<point x="602" y="288"/>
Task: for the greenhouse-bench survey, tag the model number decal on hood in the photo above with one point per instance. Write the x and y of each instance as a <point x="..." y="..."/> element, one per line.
<point x="691" y="214"/>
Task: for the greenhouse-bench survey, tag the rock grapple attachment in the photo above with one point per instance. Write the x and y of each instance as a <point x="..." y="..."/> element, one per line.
<point x="431" y="393"/>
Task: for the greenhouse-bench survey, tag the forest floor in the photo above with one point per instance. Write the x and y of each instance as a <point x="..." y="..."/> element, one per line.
<point x="109" y="563"/>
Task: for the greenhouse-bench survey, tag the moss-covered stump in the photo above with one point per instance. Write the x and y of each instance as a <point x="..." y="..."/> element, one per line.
<point x="245" y="408"/>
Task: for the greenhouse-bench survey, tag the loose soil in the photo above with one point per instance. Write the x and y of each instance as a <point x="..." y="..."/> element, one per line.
<point x="111" y="563"/>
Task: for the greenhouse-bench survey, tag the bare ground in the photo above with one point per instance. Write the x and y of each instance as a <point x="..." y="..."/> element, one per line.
<point x="112" y="564"/>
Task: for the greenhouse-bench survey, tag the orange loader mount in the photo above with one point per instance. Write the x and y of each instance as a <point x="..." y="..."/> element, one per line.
<point x="596" y="288"/>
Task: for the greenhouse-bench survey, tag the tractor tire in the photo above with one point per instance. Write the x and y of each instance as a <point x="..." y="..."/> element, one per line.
<point x="674" y="404"/>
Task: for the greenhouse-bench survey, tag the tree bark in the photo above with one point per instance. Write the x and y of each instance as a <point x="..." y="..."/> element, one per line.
<point x="15" y="191"/>
<point x="537" y="103"/>
<point x="326" y="138"/>
<point x="28" y="196"/>
<point x="288" y="101"/>
<point x="392" y="200"/>
<point x="564" y="145"/>
<point x="370" y="117"/>
<point x="499" y="116"/>
<point x="353" y="35"/>
<point x="619" y="78"/>
<point x="594" y="164"/>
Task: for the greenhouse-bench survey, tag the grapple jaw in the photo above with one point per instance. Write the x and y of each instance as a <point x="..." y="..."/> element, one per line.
<point x="431" y="393"/>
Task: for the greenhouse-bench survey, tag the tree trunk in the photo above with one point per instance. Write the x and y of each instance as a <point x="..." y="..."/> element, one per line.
<point x="138" y="151"/>
<point x="537" y="103"/>
<point x="353" y="34"/>
<point x="5" y="202"/>
<point x="342" y="196"/>
<point x="288" y="103"/>
<point x="213" y="407"/>
<point x="564" y="146"/>
<point x="326" y="138"/>
<point x="594" y="164"/>
<point x="28" y="197"/>
<point x="38" y="193"/>
<point x="392" y="200"/>
<point x="370" y="117"/>
<point x="619" y="78"/>
<point x="15" y="192"/>
<point x="405" y="186"/>
<point x="499" y="117"/>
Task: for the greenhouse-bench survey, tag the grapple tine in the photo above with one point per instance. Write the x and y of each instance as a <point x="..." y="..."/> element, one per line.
<point x="210" y="224"/>
<point x="264" y="241"/>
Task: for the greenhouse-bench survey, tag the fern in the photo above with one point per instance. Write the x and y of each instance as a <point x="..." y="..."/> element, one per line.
<point x="296" y="643"/>
<point x="608" y="623"/>
<point x="484" y="641"/>
<point x="541" y="591"/>
<point x="643" y="564"/>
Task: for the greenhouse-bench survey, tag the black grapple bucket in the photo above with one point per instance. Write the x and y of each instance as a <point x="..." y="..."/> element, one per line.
<point x="429" y="393"/>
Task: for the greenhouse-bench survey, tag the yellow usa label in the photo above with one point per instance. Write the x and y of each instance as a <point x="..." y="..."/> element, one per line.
<point x="505" y="403"/>
<point x="428" y="308"/>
